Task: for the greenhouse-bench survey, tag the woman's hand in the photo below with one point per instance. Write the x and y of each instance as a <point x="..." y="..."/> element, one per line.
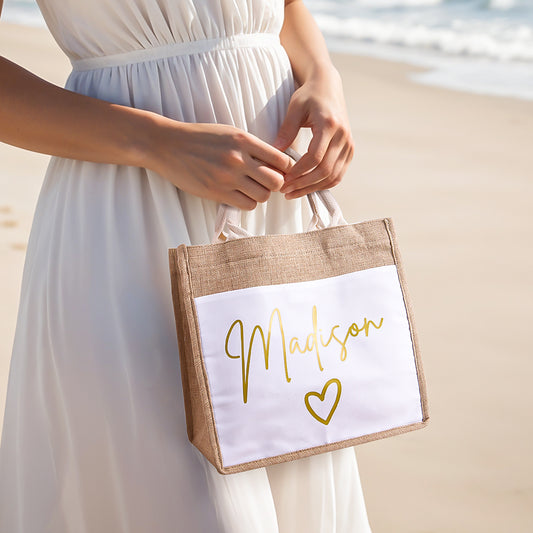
<point x="318" y="104"/>
<point x="214" y="161"/>
<point x="217" y="161"/>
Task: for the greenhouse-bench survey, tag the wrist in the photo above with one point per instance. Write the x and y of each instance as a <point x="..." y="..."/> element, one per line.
<point x="322" y="74"/>
<point x="149" y="136"/>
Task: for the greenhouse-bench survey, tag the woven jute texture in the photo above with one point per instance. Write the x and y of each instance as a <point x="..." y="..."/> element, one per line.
<point x="269" y="260"/>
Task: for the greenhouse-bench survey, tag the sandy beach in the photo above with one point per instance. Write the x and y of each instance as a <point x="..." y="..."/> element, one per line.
<point x="454" y="170"/>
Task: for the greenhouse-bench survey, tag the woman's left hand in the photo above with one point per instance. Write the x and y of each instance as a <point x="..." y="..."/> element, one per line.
<point x="318" y="104"/>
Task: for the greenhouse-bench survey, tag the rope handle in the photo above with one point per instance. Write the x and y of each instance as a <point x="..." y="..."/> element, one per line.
<point x="228" y="219"/>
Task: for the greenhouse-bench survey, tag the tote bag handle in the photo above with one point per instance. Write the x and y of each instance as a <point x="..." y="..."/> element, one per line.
<point x="228" y="220"/>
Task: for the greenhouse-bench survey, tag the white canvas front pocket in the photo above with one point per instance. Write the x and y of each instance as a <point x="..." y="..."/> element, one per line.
<point x="299" y="365"/>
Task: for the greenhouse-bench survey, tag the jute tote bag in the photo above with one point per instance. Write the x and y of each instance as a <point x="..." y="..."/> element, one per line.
<point x="294" y="345"/>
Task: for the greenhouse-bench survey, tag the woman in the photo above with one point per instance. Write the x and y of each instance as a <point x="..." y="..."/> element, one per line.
<point x="171" y="108"/>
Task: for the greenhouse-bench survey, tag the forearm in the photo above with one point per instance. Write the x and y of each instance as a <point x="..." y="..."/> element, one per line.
<point x="304" y="44"/>
<point x="41" y="117"/>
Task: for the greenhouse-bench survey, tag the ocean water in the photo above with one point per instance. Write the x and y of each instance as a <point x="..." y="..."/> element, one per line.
<point x="24" y="12"/>
<point x="484" y="46"/>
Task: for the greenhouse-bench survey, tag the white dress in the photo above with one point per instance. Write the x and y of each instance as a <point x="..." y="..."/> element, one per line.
<point x="94" y="435"/>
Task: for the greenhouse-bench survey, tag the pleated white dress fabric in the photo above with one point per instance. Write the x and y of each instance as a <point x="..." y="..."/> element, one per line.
<point x="94" y="434"/>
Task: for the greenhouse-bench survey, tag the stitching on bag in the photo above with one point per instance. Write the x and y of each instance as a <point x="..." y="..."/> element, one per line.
<point x="303" y="253"/>
<point x="410" y="319"/>
<point x="218" y="449"/>
<point x="321" y="448"/>
<point x="368" y="223"/>
<point x="204" y="371"/>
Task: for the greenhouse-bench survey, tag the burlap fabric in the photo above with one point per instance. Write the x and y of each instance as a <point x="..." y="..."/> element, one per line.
<point x="269" y="260"/>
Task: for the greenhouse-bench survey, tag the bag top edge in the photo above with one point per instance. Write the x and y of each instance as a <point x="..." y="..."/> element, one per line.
<point x="368" y="222"/>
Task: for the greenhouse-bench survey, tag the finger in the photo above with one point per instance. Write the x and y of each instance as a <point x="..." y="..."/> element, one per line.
<point x="305" y="191"/>
<point x="315" y="152"/>
<point x="336" y="150"/>
<point x="253" y="189"/>
<point x="273" y="157"/>
<point x="320" y="173"/>
<point x="263" y="174"/>
<point x="332" y="180"/>
<point x="290" y="126"/>
<point x="240" y="200"/>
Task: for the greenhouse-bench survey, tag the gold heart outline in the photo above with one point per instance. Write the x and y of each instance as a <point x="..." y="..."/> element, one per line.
<point x="322" y="396"/>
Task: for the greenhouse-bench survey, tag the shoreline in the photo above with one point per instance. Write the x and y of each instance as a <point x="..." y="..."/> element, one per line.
<point x="475" y="75"/>
<point x="453" y="170"/>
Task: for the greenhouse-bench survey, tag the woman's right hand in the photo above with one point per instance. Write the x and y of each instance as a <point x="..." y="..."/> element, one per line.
<point x="217" y="161"/>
